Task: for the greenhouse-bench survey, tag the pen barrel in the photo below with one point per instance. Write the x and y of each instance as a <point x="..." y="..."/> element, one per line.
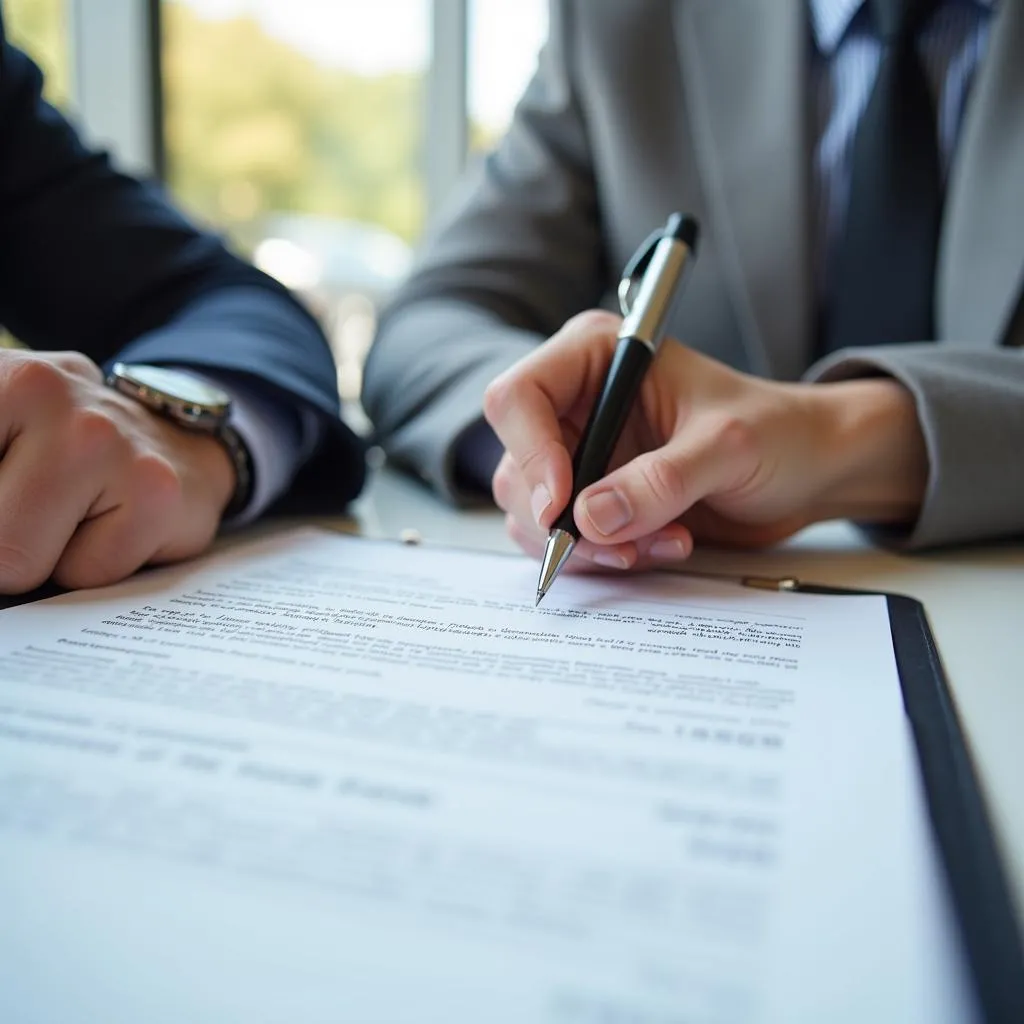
<point x="607" y="419"/>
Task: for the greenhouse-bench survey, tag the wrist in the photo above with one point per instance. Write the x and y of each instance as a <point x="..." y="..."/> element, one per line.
<point x="876" y="460"/>
<point x="234" y="447"/>
<point x="201" y="439"/>
<point x="212" y="468"/>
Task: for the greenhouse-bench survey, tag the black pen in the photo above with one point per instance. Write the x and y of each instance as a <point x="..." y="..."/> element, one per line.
<point x="657" y="272"/>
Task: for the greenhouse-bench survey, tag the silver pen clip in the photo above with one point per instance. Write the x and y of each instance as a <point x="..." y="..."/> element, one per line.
<point x="633" y="272"/>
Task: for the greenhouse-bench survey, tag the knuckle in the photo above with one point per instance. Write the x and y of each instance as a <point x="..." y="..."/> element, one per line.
<point x="594" y="321"/>
<point x="733" y="436"/>
<point x="662" y="479"/>
<point x="98" y="561"/>
<point x="84" y="569"/>
<point x="20" y="569"/>
<point x="501" y="484"/>
<point x="157" y="480"/>
<point x="40" y="381"/>
<point x="532" y="463"/>
<point x="78" y="364"/>
<point x="513" y="529"/>
<point x="499" y="398"/>
<point x="94" y="434"/>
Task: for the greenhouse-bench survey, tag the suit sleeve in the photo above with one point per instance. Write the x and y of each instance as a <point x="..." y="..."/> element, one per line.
<point x="515" y="255"/>
<point x="99" y="262"/>
<point x="970" y="403"/>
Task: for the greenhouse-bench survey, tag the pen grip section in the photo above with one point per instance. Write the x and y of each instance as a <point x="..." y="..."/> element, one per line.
<point x="607" y="419"/>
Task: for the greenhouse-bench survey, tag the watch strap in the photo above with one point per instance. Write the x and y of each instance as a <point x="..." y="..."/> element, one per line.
<point x="245" y="475"/>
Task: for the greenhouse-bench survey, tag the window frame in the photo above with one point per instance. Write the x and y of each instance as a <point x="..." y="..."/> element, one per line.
<point x="116" y="88"/>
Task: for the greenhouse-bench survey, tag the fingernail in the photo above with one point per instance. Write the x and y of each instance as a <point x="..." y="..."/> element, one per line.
<point x="610" y="560"/>
<point x="539" y="500"/>
<point x="668" y="549"/>
<point x="608" y="511"/>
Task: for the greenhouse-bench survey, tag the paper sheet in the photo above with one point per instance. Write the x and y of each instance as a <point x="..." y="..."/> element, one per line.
<point x="323" y="779"/>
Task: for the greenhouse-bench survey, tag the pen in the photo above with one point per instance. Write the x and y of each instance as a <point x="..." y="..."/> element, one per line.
<point x="656" y="272"/>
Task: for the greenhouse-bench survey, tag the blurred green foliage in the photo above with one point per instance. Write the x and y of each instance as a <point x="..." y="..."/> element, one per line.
<point x="253" y="126"/>
<point x="39" y="27"/>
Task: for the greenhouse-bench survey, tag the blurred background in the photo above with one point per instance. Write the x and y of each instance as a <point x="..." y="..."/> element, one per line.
<point x="317" y="135"/>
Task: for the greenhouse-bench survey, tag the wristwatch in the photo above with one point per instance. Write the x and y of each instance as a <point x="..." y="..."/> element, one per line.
<point x="192" y="404"/>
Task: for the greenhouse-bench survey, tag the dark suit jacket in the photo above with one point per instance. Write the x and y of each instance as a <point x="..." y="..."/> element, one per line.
<point x="98" y="262"/>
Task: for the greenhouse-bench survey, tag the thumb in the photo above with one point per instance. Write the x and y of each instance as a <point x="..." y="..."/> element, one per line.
<point x="656" y="488"/>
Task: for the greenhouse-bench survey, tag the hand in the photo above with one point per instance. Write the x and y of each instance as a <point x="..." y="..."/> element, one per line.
<point x="709" y="453"/>
<point x="93" y="485"/>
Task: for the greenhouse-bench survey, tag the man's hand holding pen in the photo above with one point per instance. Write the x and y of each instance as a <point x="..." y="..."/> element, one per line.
<point x="708" y="454"/>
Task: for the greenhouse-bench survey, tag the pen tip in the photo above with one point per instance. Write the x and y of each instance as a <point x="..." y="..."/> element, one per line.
<point x="540" y="597"/>
<point x="556" y="554"/>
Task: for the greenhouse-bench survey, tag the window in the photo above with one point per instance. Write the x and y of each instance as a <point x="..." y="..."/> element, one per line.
<point x="39" y="27"/>
<point x="504" y="39"/>
<point x="317" y="136"/>
<point x="297" y="128"/>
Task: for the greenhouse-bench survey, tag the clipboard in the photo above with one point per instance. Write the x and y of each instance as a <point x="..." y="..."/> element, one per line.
<point x="981" y="896"/>
<point x="977" y="881"/>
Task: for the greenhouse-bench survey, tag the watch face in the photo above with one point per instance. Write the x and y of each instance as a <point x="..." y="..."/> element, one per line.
<point x="176" y="384"/>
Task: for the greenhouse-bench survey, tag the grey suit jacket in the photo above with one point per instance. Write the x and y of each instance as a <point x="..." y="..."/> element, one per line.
<point x="641" y="107"/>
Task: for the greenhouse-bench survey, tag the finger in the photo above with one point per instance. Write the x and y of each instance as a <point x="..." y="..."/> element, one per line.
<point x="572" y="362"/>
<point x="512" y="496"/>
<point x="583" y="559"/>
<point x="40" y="508"/>
<point x="104" y="550"/>
<point x="77" y="365"/>
<point x="656" y="488"/>
<point x="35" y="386"/>
<point x="524" y="405"/>
<point x="585" y="556"/>
<point x="107" y="548"/>
<point x="33" y="391"/>
<point x="134" y="532"/>
<point x="665" y="549"/>
<point x="509" y="488"/>
<point x="672" y="544"/>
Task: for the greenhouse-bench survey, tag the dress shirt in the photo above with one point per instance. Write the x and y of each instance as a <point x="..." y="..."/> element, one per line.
<point x="279" y="439"/>
<point x="844" y="66"/>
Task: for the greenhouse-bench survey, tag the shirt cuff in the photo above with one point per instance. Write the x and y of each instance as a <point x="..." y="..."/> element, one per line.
<point x="477" y="454"/>
<point x="279" y="439"/>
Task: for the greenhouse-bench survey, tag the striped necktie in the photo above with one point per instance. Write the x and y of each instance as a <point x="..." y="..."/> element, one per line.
<point x="885" y="267"/>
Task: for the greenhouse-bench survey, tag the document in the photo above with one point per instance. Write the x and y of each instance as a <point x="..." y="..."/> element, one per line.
<point x="323" y="779"/>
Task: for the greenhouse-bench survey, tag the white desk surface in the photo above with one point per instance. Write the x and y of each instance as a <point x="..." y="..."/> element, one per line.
<point x="974" y="598"/>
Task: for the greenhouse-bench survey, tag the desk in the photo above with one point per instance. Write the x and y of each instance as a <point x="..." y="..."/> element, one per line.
<point x="974" y="598"/>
